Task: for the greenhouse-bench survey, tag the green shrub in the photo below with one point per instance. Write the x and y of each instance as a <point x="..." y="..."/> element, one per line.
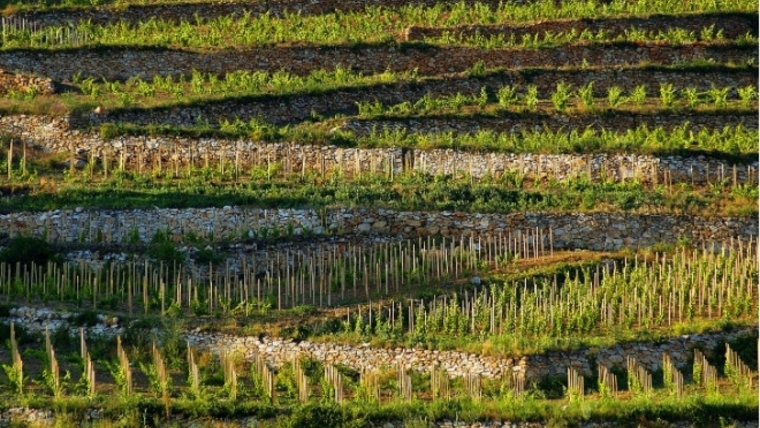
<point x="561" y="96"/>
<point x="316" y="416"/>
<point x="28" y="249"/>
<point x="586" y="95"/>
<point x="87" y="318"/>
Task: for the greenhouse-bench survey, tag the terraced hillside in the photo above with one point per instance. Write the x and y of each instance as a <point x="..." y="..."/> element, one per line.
<point x="278" y="213"/>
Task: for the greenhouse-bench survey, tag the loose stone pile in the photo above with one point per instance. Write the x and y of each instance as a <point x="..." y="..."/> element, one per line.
<point x="22" y="83"/>
<point x="37" y="320"/>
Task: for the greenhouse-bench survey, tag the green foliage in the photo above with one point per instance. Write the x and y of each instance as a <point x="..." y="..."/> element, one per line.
<point x="477" y="70"/>
<point x="85" y="318"/>
<point x="28" y="249"/>
<point x="667" y="94"/>
<point x="531" y="97"/>
<point x="316" y="416"/>
<point x="162" y="247"/>
<point x="586" y="95"/>
<point x="15" y="378"/>
<point x="747" y="94"/>
<point x="507" y="96"/>
<point x="692" y="96"/>
<point x="561" y="96"/>
<point x="615" y="96"/>
<point x="639" y="95"/>
<point x="719" y="96"/>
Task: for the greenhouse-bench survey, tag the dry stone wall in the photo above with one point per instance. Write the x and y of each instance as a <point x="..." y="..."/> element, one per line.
<point x="123" y="63"/>
<point x="278" y="351"/>
<point x="458" y="364"/>
<point x="597" y="231"/>
<point x="731" y="25"/>
<point x="55" y="135"/>
<point x="516" y="123"/>
<point x="296" y="108"/>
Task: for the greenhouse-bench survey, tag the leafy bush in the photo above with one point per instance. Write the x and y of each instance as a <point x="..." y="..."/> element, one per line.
<point x="87" y="318"/>
<point x="163" y="248"/>
<point x="561" y="96"/>
<point x="28" y="249"/>
<point x="316" y="416"/>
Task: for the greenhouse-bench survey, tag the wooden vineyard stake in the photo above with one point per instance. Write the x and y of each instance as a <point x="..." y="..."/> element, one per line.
<point x="230" y="376"/>
<point x="672" y="377"/>
<point x="55" y="373"/>
<point x="18" y="364"/>
<point x="739" y="373"/>
<point x="639" y="379"/>
<point x="370" y="382"/>
<point x="472" y="386"/>
<point x="513" y="383"/>
<point x="302" y="381"/>
<point x="608" y="385"/>
<point x="121" y="354"/>
<point x="267" y="376"/>
<point x="334" y="378"/>
<point x="192" y="368"/>
<point x="575" y="385"/>
<point x="10" y="160"/>
<point x="404" y="384"/>
<point x="439" y="383"/>
<point x="163" y="378"/>
<point x="703" y="372"/>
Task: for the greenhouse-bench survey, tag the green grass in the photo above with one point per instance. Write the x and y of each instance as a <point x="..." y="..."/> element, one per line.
<point x="452" y="13"/>
<point x="711" y="411"/>
<point x="510" y="193"/>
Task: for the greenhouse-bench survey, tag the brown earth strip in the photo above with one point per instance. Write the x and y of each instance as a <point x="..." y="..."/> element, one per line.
<point x="123" y="63"/>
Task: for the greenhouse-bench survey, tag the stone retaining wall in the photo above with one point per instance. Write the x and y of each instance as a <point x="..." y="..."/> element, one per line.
<point x="534" y="367"/>
<point x="457" y="364"/>
<point x="280" y="110"/>
<point x="598" y="231"/>
<point x="123" y="63"/>
<point x="55" y="135"/>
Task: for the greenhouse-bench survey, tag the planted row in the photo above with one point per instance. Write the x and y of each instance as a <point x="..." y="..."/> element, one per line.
<point x="508" y="192"/>
<point x="371" y="26"/>
<point x="511" y="98"/>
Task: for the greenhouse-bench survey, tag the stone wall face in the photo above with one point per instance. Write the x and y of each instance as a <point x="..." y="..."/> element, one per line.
<point x="296" y="108"/>
<point x="123" y="63"/>
<point x="56" y="136"/>
<point x="457" y="364"/>
<point x="598" y="231"/>
<point x="534" y="367"/>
